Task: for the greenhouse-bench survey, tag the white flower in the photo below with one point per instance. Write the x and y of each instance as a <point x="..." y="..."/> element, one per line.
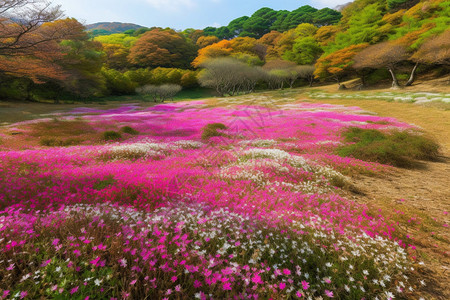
<point x="97" y="282"/>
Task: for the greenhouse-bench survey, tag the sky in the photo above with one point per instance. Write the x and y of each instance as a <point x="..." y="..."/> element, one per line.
<point x="177" y="14"/>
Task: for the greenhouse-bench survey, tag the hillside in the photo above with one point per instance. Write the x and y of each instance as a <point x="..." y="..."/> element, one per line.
<point x="105" y="28"/>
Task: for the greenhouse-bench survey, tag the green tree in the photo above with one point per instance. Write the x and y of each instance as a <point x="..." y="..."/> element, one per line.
<point x="305" y="51"/>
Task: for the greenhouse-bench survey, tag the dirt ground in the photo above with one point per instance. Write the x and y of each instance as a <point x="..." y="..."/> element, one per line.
<point x="422" y="194"/>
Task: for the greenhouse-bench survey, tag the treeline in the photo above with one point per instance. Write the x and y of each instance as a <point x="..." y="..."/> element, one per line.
<point x="266" y="19"/>
<point x="45" y="57"/>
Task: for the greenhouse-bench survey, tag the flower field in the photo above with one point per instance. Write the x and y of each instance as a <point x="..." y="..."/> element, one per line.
<point x="189" y="200"/>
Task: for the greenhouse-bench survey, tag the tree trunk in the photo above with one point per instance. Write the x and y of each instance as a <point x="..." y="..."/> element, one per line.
<point x="412" y="77"/>
<point x="395" y="84"/>
<point x="311" y="81"/>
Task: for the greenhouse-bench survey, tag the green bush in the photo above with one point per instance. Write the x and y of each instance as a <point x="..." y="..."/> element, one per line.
<point x="397" y="148"/>
<point x="111" y="135"/>
<point x="210" y="130"/>
<point x="129" y="130"/>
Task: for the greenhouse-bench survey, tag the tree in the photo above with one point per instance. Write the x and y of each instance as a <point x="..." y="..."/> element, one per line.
<point x="30" y="33"/>
<point x="39" y="56"/>
<point x="21" y="26"/>
<point x="305" y="51"/>
<point x="220" y="49"/>
<point x="337" y="64"/>
<point x="434" y="51"/>
<point x="307" y="72"/>
<point x="279" y="72"/>
<point x="204" y="41"/>
<point x="229" y="76"/>
<point x="162" y="48"/>
<point x="383" y="55"/>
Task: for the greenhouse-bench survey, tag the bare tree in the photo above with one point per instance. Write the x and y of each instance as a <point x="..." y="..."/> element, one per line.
<point x="306" y="72"/>
<point x="161" y="93"/>
<point x="229" y="76"/>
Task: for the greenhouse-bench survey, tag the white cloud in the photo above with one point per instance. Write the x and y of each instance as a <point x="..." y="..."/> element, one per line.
<point x="217" y="25"/>
<point x="171" y="4"/>
<point x="333" y="3"/>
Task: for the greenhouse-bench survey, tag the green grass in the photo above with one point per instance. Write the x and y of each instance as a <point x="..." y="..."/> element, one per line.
<point x="397" y="148"/>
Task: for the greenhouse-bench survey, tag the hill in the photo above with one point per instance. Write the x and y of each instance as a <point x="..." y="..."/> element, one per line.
<point x="106" y="28"/>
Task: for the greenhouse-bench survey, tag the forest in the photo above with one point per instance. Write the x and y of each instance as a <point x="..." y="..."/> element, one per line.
<point x="45" y="56"/>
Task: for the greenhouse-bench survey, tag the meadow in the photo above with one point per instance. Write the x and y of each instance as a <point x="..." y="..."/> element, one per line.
<point x="227" y="198"/>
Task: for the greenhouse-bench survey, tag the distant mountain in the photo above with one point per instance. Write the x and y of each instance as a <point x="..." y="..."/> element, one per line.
<point x="105" y="28"/>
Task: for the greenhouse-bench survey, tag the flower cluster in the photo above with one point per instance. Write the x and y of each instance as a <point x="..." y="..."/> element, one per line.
<point x="257" y="211"/>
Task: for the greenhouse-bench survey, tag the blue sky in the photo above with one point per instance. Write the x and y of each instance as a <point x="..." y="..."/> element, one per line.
<point x="178" y="14"/>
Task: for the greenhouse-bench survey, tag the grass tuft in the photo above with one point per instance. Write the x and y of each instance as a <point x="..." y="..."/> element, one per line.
<point x="211" y="130"/>
<point x="111" y="135"/>
<point x="397" y="148"/>
<point x="129" y="130"/>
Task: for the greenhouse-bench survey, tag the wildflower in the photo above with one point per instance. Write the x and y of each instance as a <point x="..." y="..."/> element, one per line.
<point x="305" y="285"/>
<point x="299" y="294"/>
<point x="329" y="293"/>
<point x="23" y="294"/>
<point x="282" y="285"/>
<point x="123" y="262"/>
<point x="227" y="286"/>
<point x="74" y="290"/>
<point x="97" y="282"/>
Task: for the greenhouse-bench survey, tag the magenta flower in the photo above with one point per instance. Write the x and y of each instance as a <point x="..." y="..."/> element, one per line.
<point x="74" y="290"/>
<point x="305" y="285"/>
<point x="227" y="286"/>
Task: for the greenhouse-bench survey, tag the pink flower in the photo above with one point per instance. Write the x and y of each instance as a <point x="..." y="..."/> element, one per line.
<point x="286" y="272"/>
<point x="227" y="286"/>
<point x="329" y="293"/>
<point x="305" y="285"/>
<point x="257" y="279"/>
<point x="178" y="288"/>
<point x="74" y="290"/>
<point x="23" y="294"/>
<point x="174" y="278"/>
<point x="197" y="284"/>
<point x="282" y="285"/>
<point x="299" y="294"/>
<point x="95" y="261"/>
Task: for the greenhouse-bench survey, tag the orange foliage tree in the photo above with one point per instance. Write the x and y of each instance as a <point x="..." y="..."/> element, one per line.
<point x="220" y="49"/>
<point x="162" y="48"/>
<point x="204" y="41"/>
<point x="337" y="64"/>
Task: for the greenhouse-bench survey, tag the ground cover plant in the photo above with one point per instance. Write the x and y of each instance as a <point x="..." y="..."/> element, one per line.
<point x="197" y="201"/>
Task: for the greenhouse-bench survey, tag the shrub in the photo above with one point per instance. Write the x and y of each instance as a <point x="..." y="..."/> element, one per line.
<point x="397" y="148"/>
<point x="161" y="93"/>
<point x="210" y="130"/>
<point x="111" y="135"/>
<point x="129" y="130"/>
